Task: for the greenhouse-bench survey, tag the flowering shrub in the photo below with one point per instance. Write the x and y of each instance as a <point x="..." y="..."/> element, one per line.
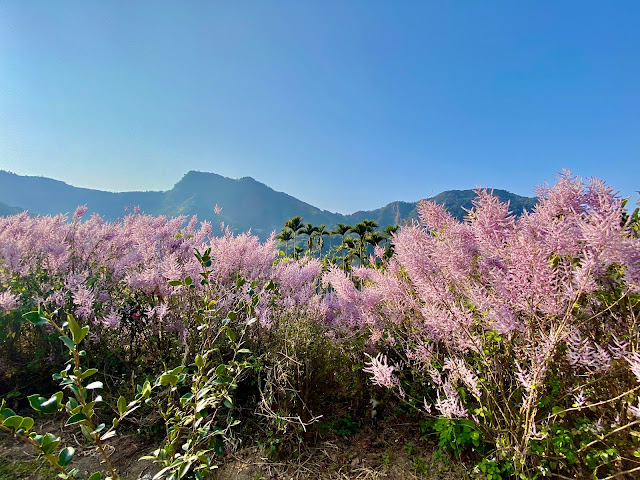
<point x="525" y="326"/>
<point x="516" y="336"/>
<point x="140" y="291"/>
<point x="115" y="276"/>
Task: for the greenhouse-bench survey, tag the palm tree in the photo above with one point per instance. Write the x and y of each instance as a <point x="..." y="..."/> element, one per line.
<point x="309" y="230"/>
<point x="321" y="233"/>
<point x="370" y="223"/>
<point x="341" y="229"/>
<point x="391" y="229"/>
<point x="375" y="238"/>
<point x="285" y="236"/>
<point x="362" y="229"/>
<point x="295" y="224"/>
<point x="350" y="244"/>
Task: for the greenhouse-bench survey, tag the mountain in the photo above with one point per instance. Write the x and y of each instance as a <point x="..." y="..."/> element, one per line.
<point x="8" y="210"/>
<point x="246" y="203"/>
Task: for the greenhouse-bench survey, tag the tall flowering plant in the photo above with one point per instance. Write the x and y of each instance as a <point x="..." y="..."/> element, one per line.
<point x="524" y="326"/>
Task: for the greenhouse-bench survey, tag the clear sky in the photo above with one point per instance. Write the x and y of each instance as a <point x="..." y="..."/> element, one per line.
<point x="344" y="104"/>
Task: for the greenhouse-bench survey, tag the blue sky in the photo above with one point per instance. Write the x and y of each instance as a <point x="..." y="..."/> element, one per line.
<point x="344" y="104"/>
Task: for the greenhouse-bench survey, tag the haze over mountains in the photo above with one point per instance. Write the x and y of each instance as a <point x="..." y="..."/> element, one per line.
<point x="246" y="203"/>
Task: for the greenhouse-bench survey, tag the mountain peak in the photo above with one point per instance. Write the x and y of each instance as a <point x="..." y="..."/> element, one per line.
<point x="246" y="202"/>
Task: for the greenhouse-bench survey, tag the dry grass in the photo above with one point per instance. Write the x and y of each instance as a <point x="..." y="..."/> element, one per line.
<point x="370" y="454"/>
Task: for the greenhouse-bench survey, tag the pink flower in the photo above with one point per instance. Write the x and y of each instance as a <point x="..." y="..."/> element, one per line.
<point x="112" y="320"/>
<point x="83" y="298"/>
<point x="580" y="399"/>
<point x="80" y="211"/>
<point x="381" y="371"/>
<point x="8" y="301"/>
<point x="450" y="404"/>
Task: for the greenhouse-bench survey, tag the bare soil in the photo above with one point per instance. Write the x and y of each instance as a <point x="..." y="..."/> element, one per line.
<point x="389" y="451"/>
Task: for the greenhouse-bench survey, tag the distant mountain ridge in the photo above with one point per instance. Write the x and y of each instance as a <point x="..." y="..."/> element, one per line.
<point x="246" y="203"/>
<point x="8" y="210"/>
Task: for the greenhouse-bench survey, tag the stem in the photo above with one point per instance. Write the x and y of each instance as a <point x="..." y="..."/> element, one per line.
<point x="619" y="429"/>
<point x="90" y="425"/>
<point x="603" y="402"/>
<point x="620" y="474"/>
<point x="30" y="441"/>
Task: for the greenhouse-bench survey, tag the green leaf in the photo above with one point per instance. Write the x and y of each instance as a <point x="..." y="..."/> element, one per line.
<point x="88" y="373"/>
<point x="36" y="401"/>
<point x="188" y="281"/>
<point x="65" y="456"/>
<point x="161" y="473"/>
<point x="49" y="443"/>
<point x="59" y="397"/>
<point x="94" y="385"/>
<point x="99" y="429"/>
<point x="27" y="423"/>
<point x="83" y="333"/>
<point x="74" y="327"/>
<point x="122" y="405"/>
<point x="227" y="403"/>
<point x="184" y="469"/>
<point x="13" y="422"/>
<point x="95" y="476"/>
<point x="199" y="361"/>
<point x="50" y="406"/>
<point x="36" y="318"/>
<point x="146" y="389"/>
<point x="175" y="283"/>
<point x="69" y="343"/>
<point x="86" y="432"/>
<point x="231" y="335"/>
<point x="244" y="350"/>
<point x="168" y="379"/>
<point x="108" y="435"/>
<point x="77" y="418"/>
<point x="72" y="403"/>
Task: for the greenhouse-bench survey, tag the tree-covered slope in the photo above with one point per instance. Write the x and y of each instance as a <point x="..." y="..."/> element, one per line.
<point x="246" y="203"/>
<point x="8" y="210"/>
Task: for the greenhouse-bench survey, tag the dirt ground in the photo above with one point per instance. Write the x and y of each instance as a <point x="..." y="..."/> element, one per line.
<point x="389" y="451"/>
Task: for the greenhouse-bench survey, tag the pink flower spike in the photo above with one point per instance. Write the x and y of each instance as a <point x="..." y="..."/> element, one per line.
<point x="80" y="211"/>
<point x="382" y="372"/>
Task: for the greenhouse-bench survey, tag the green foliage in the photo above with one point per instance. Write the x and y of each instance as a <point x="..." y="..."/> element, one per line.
<point x="198" y="402"/>
<point x="344" y="426"/>
<point x="419" y="464"/>
<point x="455" y="436"/>
<point x="82" y="399"/>
<point x="493" y="470"/>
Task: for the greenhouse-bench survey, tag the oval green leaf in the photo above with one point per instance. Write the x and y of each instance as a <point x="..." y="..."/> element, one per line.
<point x="65" y="456"/>
<point x="77" y="418"/>
<point x="13" y="422"/>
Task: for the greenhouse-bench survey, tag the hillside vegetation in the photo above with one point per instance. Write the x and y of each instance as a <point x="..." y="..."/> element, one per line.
<point x="246" y="204"/>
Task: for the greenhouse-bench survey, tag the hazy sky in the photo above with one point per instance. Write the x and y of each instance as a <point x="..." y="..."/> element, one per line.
<point x="344" y="104"/>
